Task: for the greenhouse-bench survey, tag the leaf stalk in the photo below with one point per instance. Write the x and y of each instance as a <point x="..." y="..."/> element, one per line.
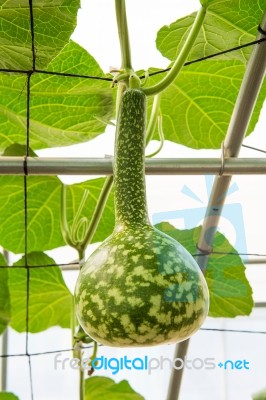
<point x="181" y="58"/>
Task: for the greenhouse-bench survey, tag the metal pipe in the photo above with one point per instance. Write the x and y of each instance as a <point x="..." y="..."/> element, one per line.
<point x="244" y="106"/>
<point x="3" y="376"/>
<point x="243" y="109"/>
<point x="157" y="166"/>
<point x="176" y="379"/>
<point x="4" y="361"/>
<point x="261" y="260"/>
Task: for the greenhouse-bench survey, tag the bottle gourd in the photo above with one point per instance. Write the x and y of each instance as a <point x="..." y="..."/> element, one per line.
<point x="140" y="287"/>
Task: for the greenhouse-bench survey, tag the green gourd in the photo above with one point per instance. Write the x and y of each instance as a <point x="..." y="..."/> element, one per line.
<point x="140" y="287"/>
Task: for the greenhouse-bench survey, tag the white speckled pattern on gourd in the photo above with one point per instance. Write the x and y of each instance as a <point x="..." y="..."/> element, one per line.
<point x="140" y="287"/>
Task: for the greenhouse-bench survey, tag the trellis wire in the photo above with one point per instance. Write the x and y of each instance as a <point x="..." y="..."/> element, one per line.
<point x="26" y="193"/>
<point x="90" y="347"/>
<point x="28" y="267"/>
<point x="76" y="264"/>
<point x="161" y="71"/>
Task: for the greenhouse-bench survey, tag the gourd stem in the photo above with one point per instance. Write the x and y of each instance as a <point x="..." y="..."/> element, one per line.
<point x="98" y="211"/>
<point x="153" y="118"/>
<point x="95" y="349"/>
<point x="179" y="62"/>
<point x="129" y="177"/>
<point x="121" y="18"/>
<point x="120" y="90"/>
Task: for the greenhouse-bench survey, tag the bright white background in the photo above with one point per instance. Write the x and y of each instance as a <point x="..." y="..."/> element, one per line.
<point x="96" y="31"/>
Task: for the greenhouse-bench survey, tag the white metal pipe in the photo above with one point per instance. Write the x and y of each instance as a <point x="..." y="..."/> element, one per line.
<point x="157" y="166"/>
<point x="242" y="113"/>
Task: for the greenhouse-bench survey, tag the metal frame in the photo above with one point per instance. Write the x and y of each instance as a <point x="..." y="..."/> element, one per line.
<point x="158" y="166"/>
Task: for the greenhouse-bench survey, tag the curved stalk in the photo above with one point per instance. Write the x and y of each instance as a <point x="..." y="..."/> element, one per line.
<point x="153" y="118"/>
<point x="179" y="62"/>
<point x="98" y="211"/>
<point x="121" y="18"/>
<point x="161" y="135"/>
<point x="63" y="219"/>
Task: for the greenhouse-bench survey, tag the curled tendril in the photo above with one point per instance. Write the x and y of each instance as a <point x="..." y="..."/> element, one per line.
<point x="146" y="77"/>
<point x="81" y="230"/>
<point x="75" y="235"/>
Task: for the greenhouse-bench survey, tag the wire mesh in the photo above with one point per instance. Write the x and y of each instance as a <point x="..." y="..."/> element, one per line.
<point x="28" y="268"/>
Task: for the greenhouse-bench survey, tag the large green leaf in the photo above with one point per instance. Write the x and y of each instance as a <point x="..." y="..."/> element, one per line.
<point x="54" y="22"/>
<point x="4" y="296"/>
<point x="43" y="215"/>
<point x="43" y="205"/>
<point x="8" y="396"/>
<point x="50" y="301"/>
<point x="228" y="23"/>
<point x="230" y="291"/>
<point x="99" y="388"/>
<point x="197" y="107"/>
<point x="63" y="110"/>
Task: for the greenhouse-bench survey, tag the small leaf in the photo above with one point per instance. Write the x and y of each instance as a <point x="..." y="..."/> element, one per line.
<point x="8" y="396"/>
<point x="17" y="150"/>
<point x="230" y="291"/>
<point x="197" y="107"/>
<point x="99" y="388"/>
<point x="50" y="301"/>
<point x="5" y="313"/>
<point x="64" y="110"/>
<point x="227" y="24"/>
<point x="54" y="22"/>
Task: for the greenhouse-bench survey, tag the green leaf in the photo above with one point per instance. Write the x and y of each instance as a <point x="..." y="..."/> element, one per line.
<point x="99" y="388"/>
<point x="8" y="396"/>
<point x="230" y="291"/>
<point x="197" y="107"/>
<point x="227" y="24"/>
<point x="4" y="296"/>
<point x="50" y="301"/>
<point x="44" y="207"/>
<point x="43" y="204"/>
<point x="63" y="110"/>
<point x="54" y="22"/>
<point x="17" y="150"/>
